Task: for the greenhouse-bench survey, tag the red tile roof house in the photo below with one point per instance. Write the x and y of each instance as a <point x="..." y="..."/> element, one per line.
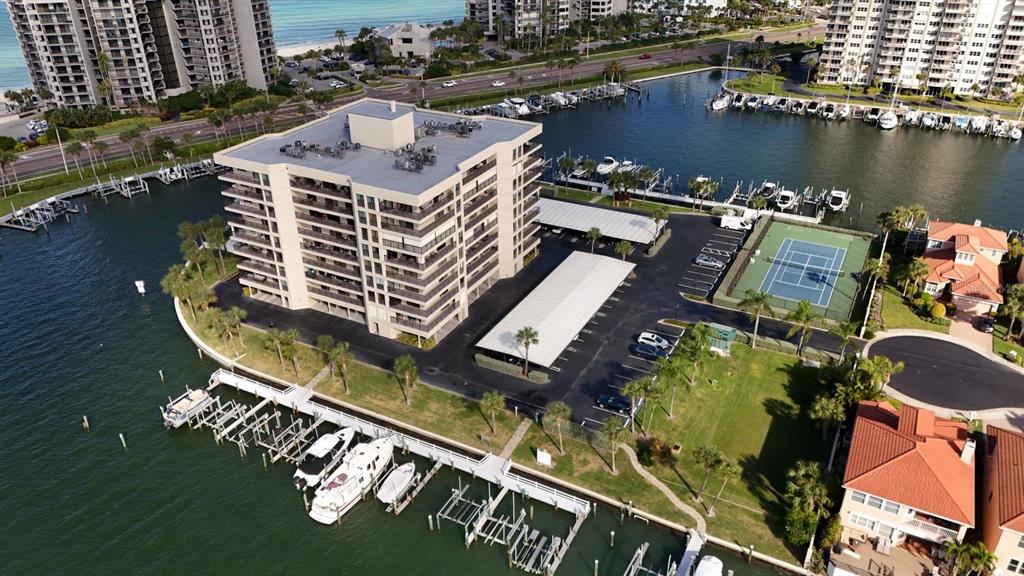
<point x="1002" y="527"/>
<point x="964" y="265"/>
<point x="909" y="487"/>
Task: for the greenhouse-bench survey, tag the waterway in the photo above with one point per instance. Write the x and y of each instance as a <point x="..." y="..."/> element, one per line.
<point x="77" y="340"/>
<point x="954" y="176"/>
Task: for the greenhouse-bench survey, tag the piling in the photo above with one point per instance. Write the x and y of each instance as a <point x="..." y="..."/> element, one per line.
<point x="85" y="423"/>
<point x="264" y="460"/>
<point x="123" y="443"/>
<point x="750" y="553"/>
<point x="430" y="522"/>
<point x="161" y="373"/>
<point x="200" y="351"/>
<point x="611" y="541"/>
<point x="596" y="564"/>
<point x="531" y="512"/>
<point x="305" y="501"/>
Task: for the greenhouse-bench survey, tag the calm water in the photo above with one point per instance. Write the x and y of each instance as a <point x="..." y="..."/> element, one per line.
<point x="78" y="340"/>
<point x="295" y="22"/>
<point x="953" y="176"/>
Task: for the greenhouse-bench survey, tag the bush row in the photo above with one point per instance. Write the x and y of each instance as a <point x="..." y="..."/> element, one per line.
<point x="536" y="376"/>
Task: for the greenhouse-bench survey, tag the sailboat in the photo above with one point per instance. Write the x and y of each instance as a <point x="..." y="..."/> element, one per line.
<point x="722" y="102"/>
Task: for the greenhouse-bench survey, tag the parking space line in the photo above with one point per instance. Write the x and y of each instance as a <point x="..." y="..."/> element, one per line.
<point x="702" y="272"/>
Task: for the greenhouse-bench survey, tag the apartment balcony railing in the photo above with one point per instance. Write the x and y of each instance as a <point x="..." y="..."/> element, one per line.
<point x="418" y="280"/>
<point x="252" y="238"/>
<point x="265" y="283"/>
<point x="426" y="326"/>
<point x="245" y="208"/>
<point x="250" y="223"/>
<point x="350" y="272"/>
<point x="337" y="296"/>
<point x="418" y="214"/>
<point x="927" y="530"/>
<point x="249" y="252"/>
<point x="343" y="194"/>
<point x="344" y="208"/>
<point x="241" y="177"/>
<point x="417" y="232"/>
<point x="322" y="221"/>
<point x="428" y="295"/>
<point x="257" y="267"/>
<point x="474" y="173"/>
<point x="480" y="245"/>
<point x="248" y="193"/>
<point x="428" y="261"/>
<point x="479" y="217"/>
<point x="484" y="272"/>
<point x="421" y="312"/>
<point x="342" y="255"/>
<point x="334" y="238"/>
<point x="479" y="202"/>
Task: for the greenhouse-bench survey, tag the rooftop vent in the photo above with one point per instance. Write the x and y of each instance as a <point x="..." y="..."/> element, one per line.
<point x="300" y="148"/>
<point x="459" y="127"/>
<point x="412" y="160"/>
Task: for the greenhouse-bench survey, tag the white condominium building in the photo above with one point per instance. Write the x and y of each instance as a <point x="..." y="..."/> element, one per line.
<point x="967" y="46"/>
<point x="386" y="214"/>
<point x="122" y="52"/>
<point x="538" y="17"/>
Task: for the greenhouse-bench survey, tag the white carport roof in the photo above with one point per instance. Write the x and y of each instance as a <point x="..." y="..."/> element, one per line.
<point x="559" y="307"/>
<point x="613" y="223"/>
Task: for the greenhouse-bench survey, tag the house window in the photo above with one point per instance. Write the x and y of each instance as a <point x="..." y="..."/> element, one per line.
<point x="875" y="502"/>
<point x="1015" y="566"/>
<point x="858" y="520"/>
<point x="892" y="507"/>
<point x="1020" y="543"/>
<point x="859" y="497"/>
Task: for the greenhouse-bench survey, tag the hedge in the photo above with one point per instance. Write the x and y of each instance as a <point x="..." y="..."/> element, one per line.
<point x="536" y="376"/>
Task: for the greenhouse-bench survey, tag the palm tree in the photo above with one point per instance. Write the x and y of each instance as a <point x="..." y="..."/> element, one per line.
<point x="235" y="317"/>
<point x="526" y="337"/>
<point x="659" y="214"/>
<point x="957" y="553"/>
<point x="845" y="331"/>
<point x="877" y="269"/>
<point x="405" y="369"/>
<point x="695" y="346"/>
<point x="566" y="165"/>
<point x="275" y="339"/>
<point x="728" y="470"/>
<point x="195" y="255"/>
<point x="801" y="318"/>
<point x="558" y="413"/>
<point x="341" y="359"/>
<point x="980" y="559"/>
<point x="202" y="296"/>
<point x="175" y="284"/>
<point x="623" y="247"/>
<point x="289" y="349"/>
<point x="756" y="304"/>
<point x="916" y="271"/>
<point x="187" y="140"/>
<point x="879" y="369"/>
<point x="828" y="411"/>
<point x="101" y="148"/>
<point x="341" y="35"/>
<point x="1013" y="306"/>
<point x="612" y="431"/>
<point x="88" y="138"/>
<point x="806" y="489"/>
<point x="758" y="202"/>
<point x="635" y="390"/>
<point x="75" y="149"/>
<point x="324" y="345"/>
<point x="492" y="403"/>
<point x="7" y="159"/>
<point x="594" y="234"/>
<point x="709" y="458"/>
<point x="670" y="369"/>
<point x="216" y="240"/>
<point x="613" y="70"/>
<point x="655" y="396"/>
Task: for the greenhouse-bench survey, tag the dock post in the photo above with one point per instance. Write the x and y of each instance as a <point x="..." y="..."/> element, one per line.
<point x="531" y="512"/>
<point x="85" y="423"/>
<point x="200" y="351"/>
<point x="264" y="460"/>
<point x="509" y="557"/>
<point x="750" y="553"/>
<point x="611" y="542"/>
<point x="596" y="564"/>
<point x="305" y="501"/>
<point x="430" y="522"/>
<point x="161" y="373"/>
<point x="125" y="445"/>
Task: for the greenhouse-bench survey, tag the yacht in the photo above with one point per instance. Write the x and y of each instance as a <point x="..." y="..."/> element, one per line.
<point x="979" y="124"/>
<point x="397" y="483"/>
<point x="838" y="200"/>
<point x="322" y="457"/>
<point x="768" y="101"/>
<point x="829" y="111"/>
<point x="797" y="107"/>
<point x="753" y="102"/>
<point x="888" y="120"/>
<point x="535" y="102"/>
<point x="945" y="122"/>
<point x="708" y="566"/>
<point x="844" y="112"/>
<point x="580" y="171"/>
<point x="607" y="166"/>
<point x="720" y="103"/>
<point x="768" y="190"/>
<point x="928" y="120"/>
<point x="559" y="99"/>
<point x="737" y="100"/>
<point x="911" y="117"/>
<point x="627" y="166"/>
<point x="813" y="108"/>
<point x="184" y="407"/>
<point x="872" y="115"/>
<point x="785" y="199"/>
<point x="354" y="477"/>
<point x="782" y="105"/>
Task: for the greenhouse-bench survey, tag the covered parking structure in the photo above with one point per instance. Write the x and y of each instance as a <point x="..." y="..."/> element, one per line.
<point x="559" y="307"/>
<point x="636" y="228"/>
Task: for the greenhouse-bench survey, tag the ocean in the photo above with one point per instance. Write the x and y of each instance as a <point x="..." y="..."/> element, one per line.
<point x="295" y="22"/>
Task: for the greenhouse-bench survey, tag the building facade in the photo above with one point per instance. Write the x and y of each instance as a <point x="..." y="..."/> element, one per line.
<point x="385" y="214"/>
<point x="408" y="39"/>
<point x="519" y="18"/>
<point x="123" y="52"/>
<point x="963" y="265"/>
<point x="973" y="47"/>
<point x="1003" y="527"/>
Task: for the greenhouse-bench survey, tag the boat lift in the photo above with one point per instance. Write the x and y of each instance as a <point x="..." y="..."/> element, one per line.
<point x="636" y="564"/>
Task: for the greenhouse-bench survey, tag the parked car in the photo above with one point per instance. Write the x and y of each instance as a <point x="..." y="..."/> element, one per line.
<point x="652" y="339"/>
<point x="987" y="324"/>
<point x="337" y="84"/>
<point x="649" y="352"/>
<point x="645" y="56"/>
<point x="291" y="64"/>
<point x="448" y="84"/>
<point x="615" y="403"/>
<point x="709" y="262"/>
<point x="498" y="83"/>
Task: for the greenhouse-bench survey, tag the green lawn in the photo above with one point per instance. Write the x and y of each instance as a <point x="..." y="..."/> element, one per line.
<point x="118" y="126"/>
<point x="897" y="314"/>
<point x="645" y="205"/>
<point x="1003" y="347"/>
<point x="563" y="193"/>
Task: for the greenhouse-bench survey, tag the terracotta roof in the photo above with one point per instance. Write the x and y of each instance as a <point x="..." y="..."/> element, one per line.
<point x="913" y="458"/>
<point x="1007" y="448"/>
<point x="986" y="237"/>
<point x="980" y="280"/>
<point x="965" y="243"/>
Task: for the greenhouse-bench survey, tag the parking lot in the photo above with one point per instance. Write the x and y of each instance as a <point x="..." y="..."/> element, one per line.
<point x="722" y="245"/>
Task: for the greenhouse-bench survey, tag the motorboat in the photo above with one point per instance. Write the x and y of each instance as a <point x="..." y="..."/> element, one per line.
<point x="829" y="111"/>
<point x="797" y="107"/>
<point x="1000" y="129"/>
<point x="888" y="120"/>
<point x="1015" y="133"/>
<point x="559" y="99"/>
<point x="720" y="103"/>
<point x="709" y="566"/>
<point x="962" y="123"/>
<point x="785" y="199"/>
<point x="753" y="102"/>
<point x="504" y="110"/>
<point x="911" y="118"/>
<point x="345" y="486"/>
<point x="535" y="102"/>
<point x="397" y="483"/>
<point x="813" y="108"/>
<point x="844" y="112"/>
<point x="767" y="102"/>
<point x="873" y="115"/>
<point x="580" y="171"/>
<point x="627" y="166"/>
<point x="945" y="122"/>
<point x="321" y="457"/>
<point x="838" y="200"/>
<point x="768" y="190"/>
<point x="737" y="100"/>
<point x="928" y="120"/>
<point x="607" y="166"/>
<point x="181" y="409"/>
<point x="782" y="105"/>
<point x="979" y="124"/>
<point x="573" y="97"/>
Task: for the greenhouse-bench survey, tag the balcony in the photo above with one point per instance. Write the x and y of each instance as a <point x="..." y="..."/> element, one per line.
<point x="414" y="280"/>
<point x="485" y="271"/>
<point x="441" y="220"/>
<point x="928" y="531"/>
<point x="337" y="297"/>
<point x="333" y="238"/>
<point x="323" y="221"/>
<point x="242" y="177"/>
<point x="478" y="202"/>
<point x="343" y="255"/>
<point x="240" y="192"/>
<point x="474" y="173"/>
<point x="334" y="206"/>
<point x="419" y="311"/>
<point x="257" y="267"/>
<point x="258" y="239"/>
<point x="249" y="279"/>
<point x="249" y="223"/>
<point x="481" y="215"/>
<point x="418" y="214"/>
<point x="427" y="296"/>
<point x="349" y="272"/>
<point x="246" y="209"/>
<point x="341" y="193"/>
<point x="426" y="327"/>
<point x="248" y="252"/>
<point x="534" y="148"/>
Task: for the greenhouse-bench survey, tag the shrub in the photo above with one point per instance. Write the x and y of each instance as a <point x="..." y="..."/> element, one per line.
<point x="938" y="311"/>
<point x="831" y="532"/>
<point x="926" y="302"/>
<point x="7" y="143"/>
<point x="536" y="376"/>
<point x="800" y="524"/>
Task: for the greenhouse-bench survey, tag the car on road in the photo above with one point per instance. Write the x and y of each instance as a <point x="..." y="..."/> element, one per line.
<point x="645" y="56"/>
<point x="652" y="339"/>
<point x="448" y="84"/>
<point x="293" y="83"/>
<point x="498" y="83"/>
<point x="987" y="324"/>
<point x="337" y="84"/>
<point x="709" y="262"/>
<point x="291" y="64"/>
<point x="615" y="403"/>
<point x="649" y="352"/>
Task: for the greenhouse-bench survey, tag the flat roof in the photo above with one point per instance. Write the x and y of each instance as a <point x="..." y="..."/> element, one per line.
<point x="616" y="224"/>
<point x="374" y="167"/>
<point x="559" y="307"/>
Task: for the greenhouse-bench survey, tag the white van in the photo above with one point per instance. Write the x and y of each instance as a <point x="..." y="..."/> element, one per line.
<point x="736" y="223"/>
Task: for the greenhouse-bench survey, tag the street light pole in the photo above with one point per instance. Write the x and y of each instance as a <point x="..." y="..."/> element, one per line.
<point x="60" y="146"/>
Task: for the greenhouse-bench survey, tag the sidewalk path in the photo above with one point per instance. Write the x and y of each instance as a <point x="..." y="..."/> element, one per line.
<point x="323" y="373"/>
<point x="516" y="438"/>
<point x="690" y="511"/>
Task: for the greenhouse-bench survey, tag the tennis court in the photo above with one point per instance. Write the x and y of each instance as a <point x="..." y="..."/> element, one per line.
<point x="794" y="263"/>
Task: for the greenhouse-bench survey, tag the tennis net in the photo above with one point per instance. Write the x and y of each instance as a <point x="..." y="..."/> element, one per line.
<point x="838" y="273"/>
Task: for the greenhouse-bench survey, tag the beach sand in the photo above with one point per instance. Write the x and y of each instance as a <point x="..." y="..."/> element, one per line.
<point x="298" y="49"/>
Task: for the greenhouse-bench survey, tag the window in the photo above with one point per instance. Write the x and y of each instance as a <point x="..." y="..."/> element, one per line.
<point x="1020" y="543"/>
<point x="1015" y="566"/>
<point x="859" y="497"/>
<point x="892" y="507"/>
<point x="875" y="502"/>
<point x="858" y="520"/>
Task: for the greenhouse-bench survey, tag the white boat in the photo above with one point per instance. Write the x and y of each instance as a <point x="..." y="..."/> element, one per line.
<point x="752" y="102"/>
<point x="962" y="123"/>
<point x="768" y="190"/>
<point x="627" y="166"/>
<point x="720" y="103"/>
<point x="397" y="483"/>
<point x="979" y="124"/>
<point x="708" y="566"/>
<point x="844" y="112"/>
<point x="184" y="407"/>
<point x="813" y="108"/>
<point x="560" y="99"/>
<point x="1015" y="133"/>
<point x="607" y="166"/>
<point x="346" y="485"/>
<point x="872" y="115"/>
<point x="928" y="120"/>
<point x="838" y="200"/>
<point x="797" y="107"/>
<point x="322" y="457"/>
<point x="768" y="102"/>
<point x="911" y="117"/>
<point x="888" y="120"/>
<point x="737" y="101"/>
<point x="785" y="199"/>
<point x="782" y="105"/>
<point x="945" y="122"/>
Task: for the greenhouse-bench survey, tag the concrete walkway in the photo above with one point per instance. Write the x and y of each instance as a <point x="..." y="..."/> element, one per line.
<point x="324" y="372"/>
<point x="690" y="511"/>
<point x="516" y="438"/>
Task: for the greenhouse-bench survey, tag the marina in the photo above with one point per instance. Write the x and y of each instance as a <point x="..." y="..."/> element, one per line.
<point x="537" y="104"/>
